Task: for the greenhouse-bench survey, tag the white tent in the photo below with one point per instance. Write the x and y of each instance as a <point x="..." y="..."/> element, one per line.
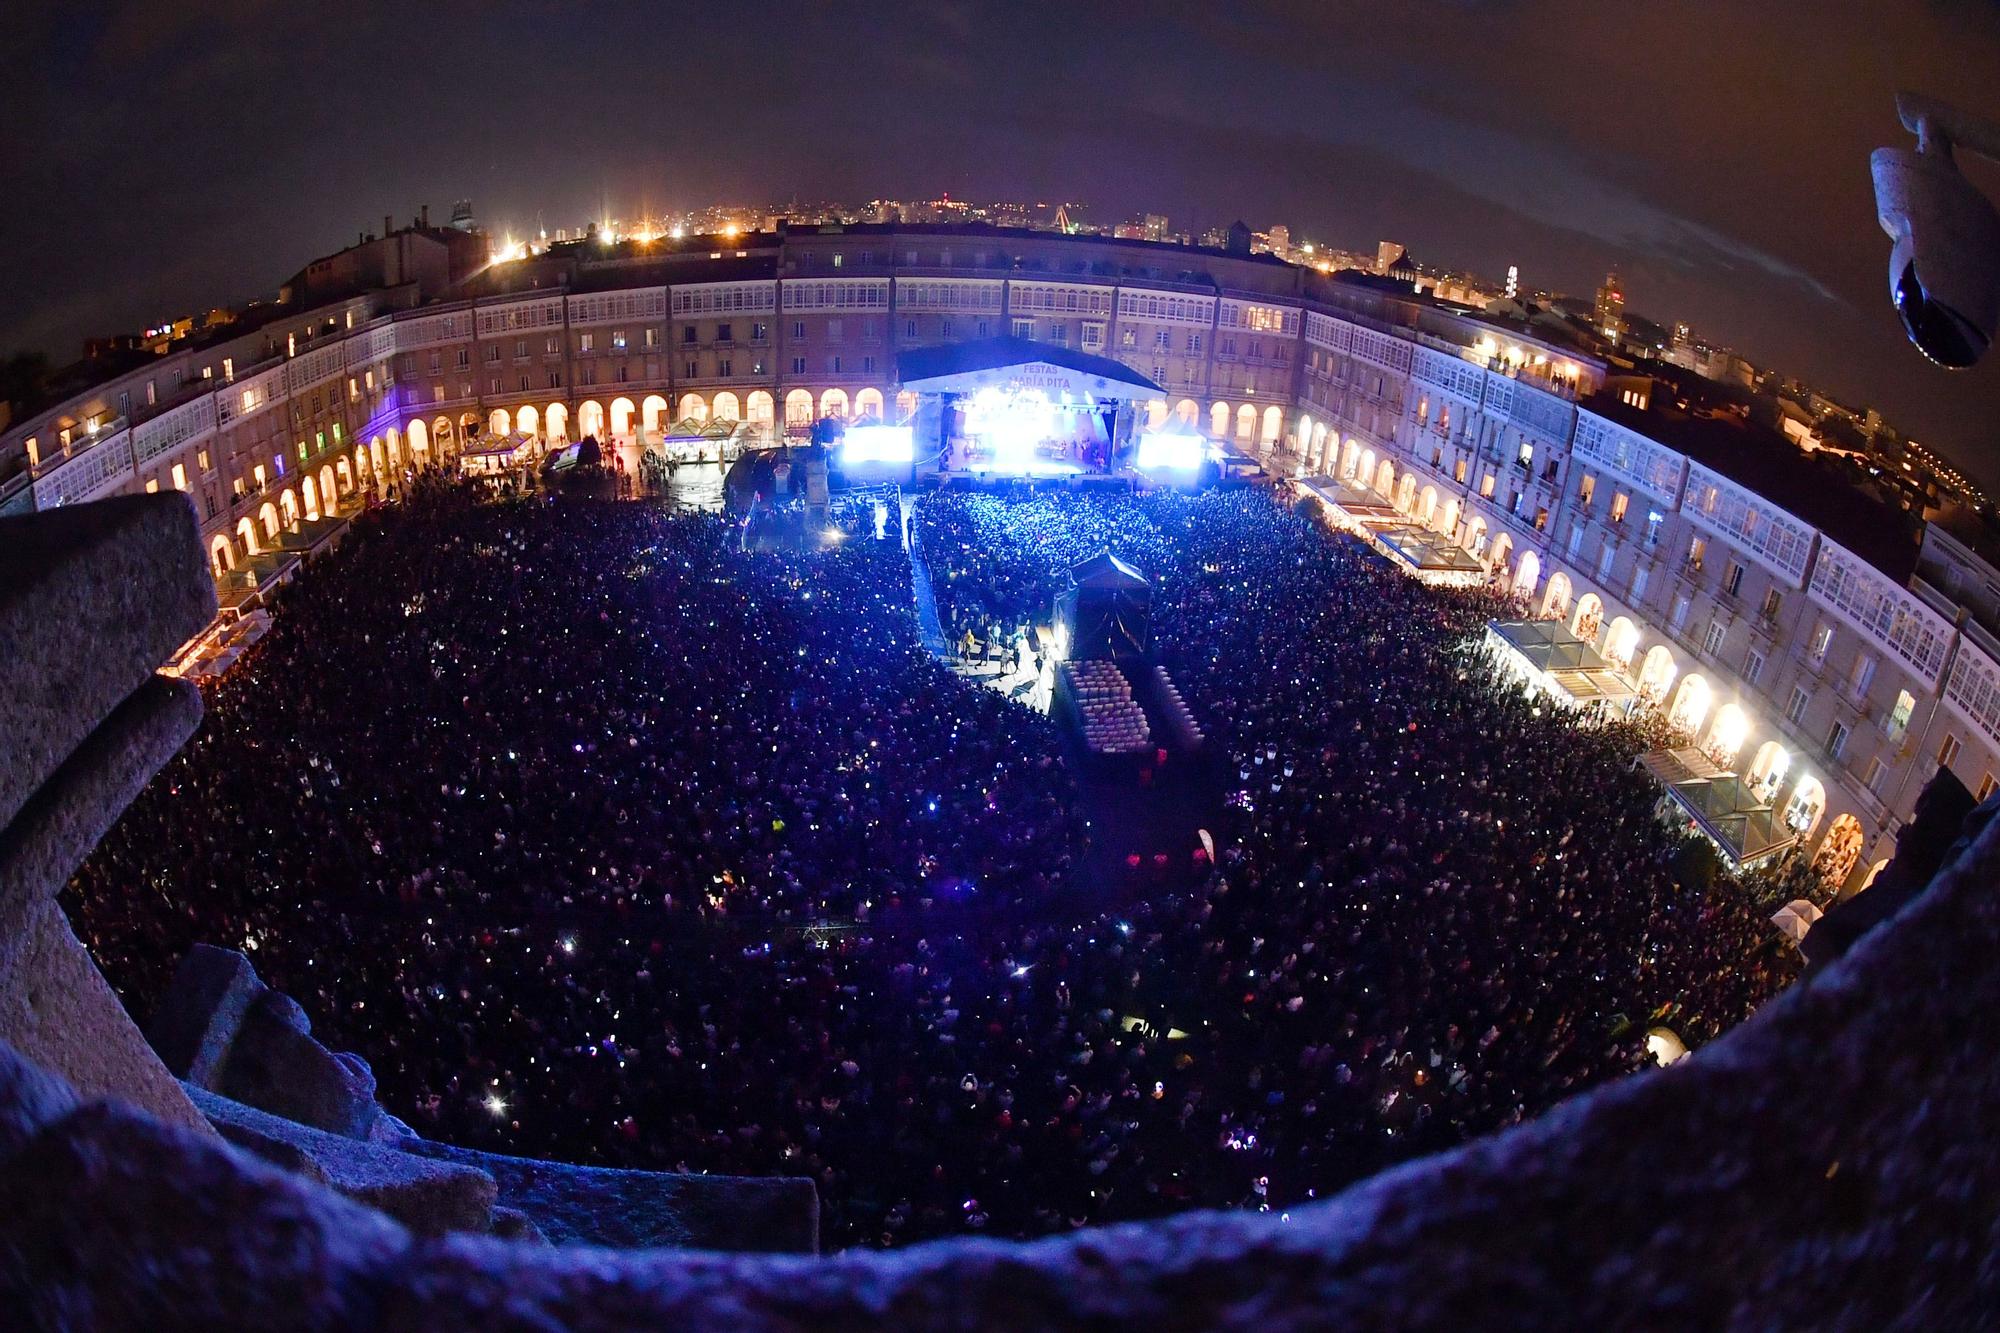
<point x="1795" y="918"/>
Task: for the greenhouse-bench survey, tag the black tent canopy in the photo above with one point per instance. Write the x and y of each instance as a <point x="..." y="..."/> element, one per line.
<point x="1106" y="610"/>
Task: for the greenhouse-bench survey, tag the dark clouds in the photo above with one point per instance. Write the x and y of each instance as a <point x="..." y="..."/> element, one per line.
<point x="162" y="155"/>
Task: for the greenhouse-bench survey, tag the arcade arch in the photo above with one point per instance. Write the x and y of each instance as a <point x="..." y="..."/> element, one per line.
<point x="1555" y="602"/>
<point x="1589" y="617"/>
<point x="1839" y="851"/>
<point x="1527" y="574"/>
<point x="1807" y="804"/>
<point x="1727" y="734"/>
<point x="1691" y="704"/>
<point x="1767" y="769"/>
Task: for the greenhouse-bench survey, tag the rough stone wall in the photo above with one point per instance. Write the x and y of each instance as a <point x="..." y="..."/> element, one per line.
<point x="1828" y="1165"/>
<point x="92" y="598"/>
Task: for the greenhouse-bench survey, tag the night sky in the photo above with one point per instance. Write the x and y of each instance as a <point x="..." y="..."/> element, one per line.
<point x="164" y="156"/>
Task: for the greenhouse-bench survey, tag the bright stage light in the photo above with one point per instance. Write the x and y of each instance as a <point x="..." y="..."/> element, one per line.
<point x="877" y="444"/>
<point x="1161" y="452"/>
<point x="1015" y="425"/>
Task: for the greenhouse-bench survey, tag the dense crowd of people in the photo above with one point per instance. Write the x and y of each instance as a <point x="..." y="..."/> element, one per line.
<point x="607" y="840"/>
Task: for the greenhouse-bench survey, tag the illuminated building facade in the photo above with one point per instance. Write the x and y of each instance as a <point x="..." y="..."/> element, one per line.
<point x="1784" y="629"/>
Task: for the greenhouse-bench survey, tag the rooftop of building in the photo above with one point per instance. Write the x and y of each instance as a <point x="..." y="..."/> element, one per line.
<point x="1829" y="493"/>
<point x="1978" y="530"/>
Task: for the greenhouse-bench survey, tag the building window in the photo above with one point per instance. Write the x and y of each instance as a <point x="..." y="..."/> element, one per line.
<point x="724" y="369"/>
<point x="1986" y="786"/>
<point x="652" y="337"/>
<point x="688" y="335"/>
<point x="586" y="342"/>
<point x="1620" y="501"/>
<point x="1753" y="667"/>
<point x="1732" y="579"/>
<point x="1947" y="750"/>
<point x="1024" y="328"/>
<point x="1711" y="642"/>
<point x="693" y="371"/>
<point x="725" y="333"/>
<point x="1836" y="739"/>
<point x="798" y="365"/>
<point x="798" y="330"/>
<point x="1860" y="675"/>
<point x="1899" y="716"/>
<point x="1681" y="605"/>
<point x="1822" y="639"/>
<point x="1772" y="601"/>
<point x="1795" y="707"/>
<point x="493" y="353"/>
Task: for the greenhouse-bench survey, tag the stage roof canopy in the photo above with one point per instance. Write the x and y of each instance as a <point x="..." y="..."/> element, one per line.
<point x="1020" y="363"/>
